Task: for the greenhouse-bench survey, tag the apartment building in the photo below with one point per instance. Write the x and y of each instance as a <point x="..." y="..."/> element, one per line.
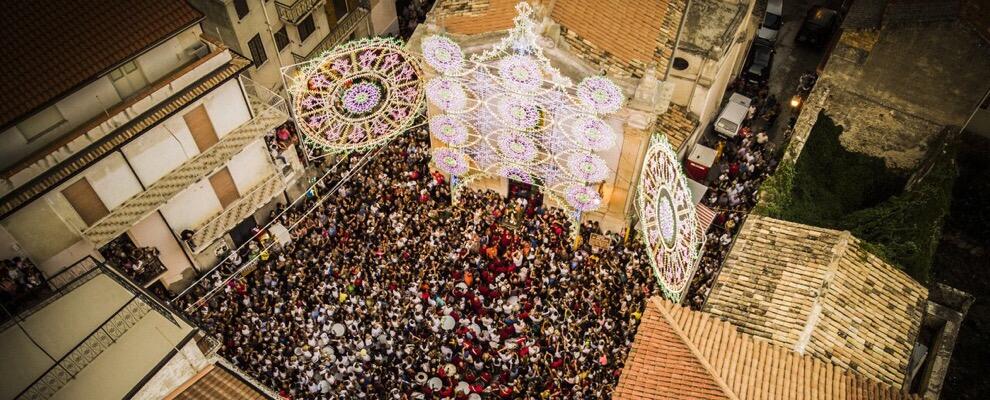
<point x="278" y="33"/>
<point x="127" y="124"/>
<point x="99" y="336"/>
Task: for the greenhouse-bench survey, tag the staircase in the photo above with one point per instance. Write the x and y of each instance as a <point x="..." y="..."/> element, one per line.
<point x="136" y="208"/>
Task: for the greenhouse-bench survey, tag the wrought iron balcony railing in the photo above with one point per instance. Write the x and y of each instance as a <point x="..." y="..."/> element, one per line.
<point x="341" y="32"/>
<point x="294" y="10"/>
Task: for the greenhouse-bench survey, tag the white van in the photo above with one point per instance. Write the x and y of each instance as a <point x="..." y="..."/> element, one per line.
<point x="772" y="20"/>
<point x="733" y="115"/>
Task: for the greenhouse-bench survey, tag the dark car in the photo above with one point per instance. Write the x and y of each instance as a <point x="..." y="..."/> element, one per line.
<point x="759" y="61"/>
<point x="818" y="26"/>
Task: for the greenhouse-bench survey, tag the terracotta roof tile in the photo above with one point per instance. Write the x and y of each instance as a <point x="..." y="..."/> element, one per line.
<point x="684" y="354"/>
<point x="216" y="383"/>
<point x="818" y="291"/>
<point x="54" y="46"/>
<point x="677" y="124"/>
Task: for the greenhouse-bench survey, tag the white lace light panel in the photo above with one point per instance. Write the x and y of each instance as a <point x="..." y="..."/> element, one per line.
<point x="668" y="221"/>
<point x="508" y="112"/>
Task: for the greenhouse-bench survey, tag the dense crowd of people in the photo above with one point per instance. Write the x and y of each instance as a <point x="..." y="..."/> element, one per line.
<point x="746" y="161"/>
<point x="140" y="263"/>
<point x="19" y="278"/>
<point x="389" y="291"/>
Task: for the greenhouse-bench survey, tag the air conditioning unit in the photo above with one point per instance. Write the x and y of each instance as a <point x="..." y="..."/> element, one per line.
<point x="198" y="50"/>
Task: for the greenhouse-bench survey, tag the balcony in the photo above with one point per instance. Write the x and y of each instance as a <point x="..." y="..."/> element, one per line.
<point x="294" y="10"/>
<point x="269" y="111"/>
<point x="341" y="32"/>
<point x="260" y="195"/>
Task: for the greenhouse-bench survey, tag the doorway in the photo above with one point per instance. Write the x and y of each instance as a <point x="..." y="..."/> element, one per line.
<point x="244" y="231"/>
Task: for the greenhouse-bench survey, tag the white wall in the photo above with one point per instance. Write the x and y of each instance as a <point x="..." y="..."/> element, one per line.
<point x="112" y="180"/>
<point x="226" y="108"/>
<point x="192" y="207"/>
<point x="250" y="167"/>
<point x="41" y="233"/>
<point x="160" y="150"/>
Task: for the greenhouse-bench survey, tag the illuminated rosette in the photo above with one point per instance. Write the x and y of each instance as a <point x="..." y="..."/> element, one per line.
<point x="591" y="133"/>
<point x="443" y="54"/>
<point x="361" y="97"/>
<point x="518" y="113"/>
<point x="517" y="174"/>
<point x="600" y="95"/>
<point x="449" y="130"/>
<point x="668" y="219"/>
<point x="516" y="147"/>
<point x="357" y="96"/>
<point x="582" y="198"/>
<point x="520" y="73"/>
<point x="451" y="161"/>
<point x="446" y="94"/>
<point x="586" y="167"/>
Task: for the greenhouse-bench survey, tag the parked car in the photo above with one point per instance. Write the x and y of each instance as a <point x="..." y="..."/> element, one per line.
<point x="772" y="21"/>
<point x="733" y="115"/>
<point x="818" y="26"/>
<point x="759" y="61"/>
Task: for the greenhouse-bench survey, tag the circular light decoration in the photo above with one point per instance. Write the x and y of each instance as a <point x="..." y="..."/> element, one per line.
<point x="516" y="147"/>
<point x="592" y="133"/>
<point x="518" y="113"/>
<point x="582" y="198"/>
<point x="600" y="95"/>
<point x="443" y="54"/>
<point x="446" y="94"/>
<point x="668" y="220"/>
<point x="451" y="161"/>
<point x="362" y="97"/>
<point x="586" y="167"/>
<point x="358" y="95"/>
<point x="520" y="73"/>
<point x="449" y="129"/>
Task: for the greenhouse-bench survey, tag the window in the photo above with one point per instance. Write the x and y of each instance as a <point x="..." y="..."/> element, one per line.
<point x="680" y="64"/>
<point x="306" y="27"/>
<point x="339" y="9"/>
<point x="281" y="38"/>
<point x="41" y="123"/>
<point x="128" y="79"/>
<point x="257" y="50"/>
<point x="242" y="8"/>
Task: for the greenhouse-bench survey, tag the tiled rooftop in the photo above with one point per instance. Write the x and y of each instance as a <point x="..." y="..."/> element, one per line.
<point x="627" y="34"/>
<point x="818" y="291"/>
<point x="62" y="44"/>
<point x="684" y="354"/>
<point x="677" y="124"/>
<point x="216" y="383"/>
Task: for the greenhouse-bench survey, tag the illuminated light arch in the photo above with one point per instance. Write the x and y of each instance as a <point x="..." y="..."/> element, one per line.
<point x="668" y="221"/>
<point x="358" y="95"/>
<point x="524" y="120"/>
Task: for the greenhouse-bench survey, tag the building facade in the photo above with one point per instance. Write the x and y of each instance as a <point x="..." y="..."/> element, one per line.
<point x="278" y="33"/>
<point x="155" y="140"/>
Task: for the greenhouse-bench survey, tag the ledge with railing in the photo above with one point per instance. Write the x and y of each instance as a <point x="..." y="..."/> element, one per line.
<point x="292" y="11"/>
<point x="342" y="31"/>
<point x="269" y="110"/>
<point x="71" y="277"/>
<point x="98" y="341"/>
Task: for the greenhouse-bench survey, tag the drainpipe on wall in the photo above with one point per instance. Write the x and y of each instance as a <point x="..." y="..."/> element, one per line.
<point x="278" y="53"/>
<point x="677" y="41"/>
